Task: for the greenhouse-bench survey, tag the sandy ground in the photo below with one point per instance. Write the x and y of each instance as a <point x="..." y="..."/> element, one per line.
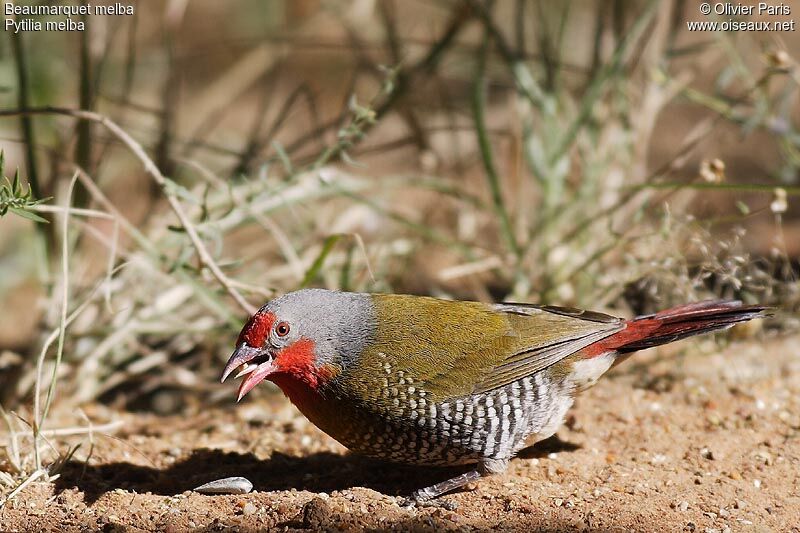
<point x="707" y="441"/>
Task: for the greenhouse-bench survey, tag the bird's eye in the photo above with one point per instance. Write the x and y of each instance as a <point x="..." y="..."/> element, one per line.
<point x="282" y="329"/>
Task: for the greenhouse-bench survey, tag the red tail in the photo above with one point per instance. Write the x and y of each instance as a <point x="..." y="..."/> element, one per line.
<point x="675" y="324"/>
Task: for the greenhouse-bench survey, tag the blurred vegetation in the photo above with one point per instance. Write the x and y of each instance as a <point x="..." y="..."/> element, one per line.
<point x="204" y="156"/>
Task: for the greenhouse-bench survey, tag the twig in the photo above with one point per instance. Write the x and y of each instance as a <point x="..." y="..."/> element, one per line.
<point x="256" y="145"/>
<point x="470" y="269"/>
<point x="12" y="447"/>
<point x="91" y="431"/>
<point x="426" y="64"/>
<point x="39" y="417"/>
<point x="213" y="103"/>
<point x="18" y="47"/>
<point x="526" y="83"/>
<point x="267" y="90"/>
<point x="147" y="246"/>
<point x="83" y="143"/>
<point x="28" y="132"/>
<point x="30" y="479"/>
<point x="74" y="431"/>
<point x="155" y="173"/>
<point x="169" y="91"/>
<point x="103" y="200"/>
<point x="597" y="86"/>
<point x="91" y="213"/>
<point x="478" y="99"/>
<point x="376" y="70"/>
<point x="267" y="223"/>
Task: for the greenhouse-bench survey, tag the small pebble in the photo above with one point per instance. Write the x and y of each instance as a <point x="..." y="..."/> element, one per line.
<point x="248" y="509"/>
<point x="764" y="457"/>
<point x="228" y="485"/>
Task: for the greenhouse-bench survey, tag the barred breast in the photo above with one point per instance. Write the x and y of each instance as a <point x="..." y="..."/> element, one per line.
<point x="414" y="430"/>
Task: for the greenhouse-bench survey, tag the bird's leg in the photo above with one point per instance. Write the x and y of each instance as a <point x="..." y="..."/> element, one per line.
<point x="434" y="491"/>
<point x="486" y="467"/>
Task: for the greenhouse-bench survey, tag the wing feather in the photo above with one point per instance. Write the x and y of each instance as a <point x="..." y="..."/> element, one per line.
<point x="453" y="349"/>
<point x="529" y="362"/>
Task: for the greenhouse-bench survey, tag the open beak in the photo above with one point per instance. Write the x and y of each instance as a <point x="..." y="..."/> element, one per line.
<point x="253" y="372"/>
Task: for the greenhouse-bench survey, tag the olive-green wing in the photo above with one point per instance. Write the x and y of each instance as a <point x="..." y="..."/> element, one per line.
<point x="567" y="330"/>
<point x="452" y="349"/>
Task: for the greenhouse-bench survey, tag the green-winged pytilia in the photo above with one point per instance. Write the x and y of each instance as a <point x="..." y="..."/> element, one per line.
<point x="424" y="381"/>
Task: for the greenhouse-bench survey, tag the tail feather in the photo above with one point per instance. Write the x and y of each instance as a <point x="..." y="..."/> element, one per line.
<point x="678" y="323"/>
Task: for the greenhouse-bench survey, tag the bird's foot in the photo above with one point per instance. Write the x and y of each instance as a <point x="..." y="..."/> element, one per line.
<point x="428" y="496"/>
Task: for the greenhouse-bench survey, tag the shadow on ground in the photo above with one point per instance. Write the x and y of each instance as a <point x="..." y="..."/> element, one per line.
<point x="319" y="472"/>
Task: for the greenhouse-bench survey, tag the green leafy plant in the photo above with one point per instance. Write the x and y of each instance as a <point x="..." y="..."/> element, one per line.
<point x="17" y="199"/>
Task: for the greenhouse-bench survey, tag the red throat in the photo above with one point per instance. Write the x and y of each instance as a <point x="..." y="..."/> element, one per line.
<point x="296" y="361"/>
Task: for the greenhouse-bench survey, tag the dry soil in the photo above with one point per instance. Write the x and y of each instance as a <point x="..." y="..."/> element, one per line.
<point x="692" y="437"/>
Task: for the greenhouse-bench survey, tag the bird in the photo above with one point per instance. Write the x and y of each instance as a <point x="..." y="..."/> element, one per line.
<point x="427" y="381"/>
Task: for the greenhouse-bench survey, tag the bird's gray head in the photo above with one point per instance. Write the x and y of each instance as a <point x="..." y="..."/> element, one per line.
<point x="309" y="335"/>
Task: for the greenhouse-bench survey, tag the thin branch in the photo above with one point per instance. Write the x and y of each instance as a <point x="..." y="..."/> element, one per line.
<point x="155" y="173"/>
<point x="30" y="479"/>
<point x="23" y="101"/>
<point x="75" y="431"/>
<point x="485" y="145"/>
<point x="425" y="65"/>
<point x="40" y="416"/>
<point x="91" y="213"/>
<point x="83" y="129"/>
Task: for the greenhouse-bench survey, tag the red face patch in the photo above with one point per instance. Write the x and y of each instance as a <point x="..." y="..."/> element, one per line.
<point x="297" y="360"/>
<point x="255" y="332"/>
